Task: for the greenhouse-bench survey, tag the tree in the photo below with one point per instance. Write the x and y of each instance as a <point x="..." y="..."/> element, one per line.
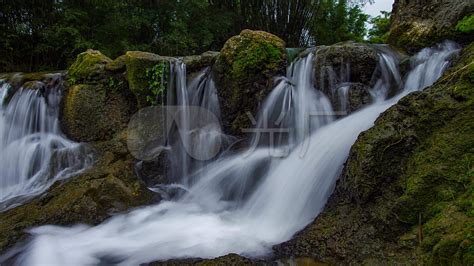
<point x="380" y="28"/>
<point x="48" y="34"/>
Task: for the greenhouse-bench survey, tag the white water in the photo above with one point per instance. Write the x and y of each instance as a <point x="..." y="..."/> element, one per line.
<point x="33" y="152"/>
<point x="245" y="203"/>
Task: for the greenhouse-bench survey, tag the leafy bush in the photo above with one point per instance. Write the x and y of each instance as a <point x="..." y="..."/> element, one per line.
<point x="466" y="25"/>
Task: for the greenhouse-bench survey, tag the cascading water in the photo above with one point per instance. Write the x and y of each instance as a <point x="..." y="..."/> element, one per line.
<point x="33" y="152"/>
<point x="194" y="134"/>
<point x="243" y="203"/>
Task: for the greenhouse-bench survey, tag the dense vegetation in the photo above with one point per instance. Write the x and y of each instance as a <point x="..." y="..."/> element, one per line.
<point x="380" y="28"/>
<point x="48" y="34"/>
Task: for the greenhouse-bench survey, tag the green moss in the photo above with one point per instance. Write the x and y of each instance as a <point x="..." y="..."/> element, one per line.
<point x="118" y="65"/>
<point x="89" y="65"/>
<point x="244" y="71"/>
<point x="256" y="57"/>
<point x="137" y="64"/>
<point x="466" y="25"/>
<point x="92" y="112"/>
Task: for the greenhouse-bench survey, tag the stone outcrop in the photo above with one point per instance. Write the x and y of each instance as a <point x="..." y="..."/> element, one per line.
<point x="244" y="72"/>
<point x="97" y="103"/>
<point x="137" y="64"/>
<point x="197" y="62"/>
<point x="420" y="23"/>
<point x="349" y="65"/>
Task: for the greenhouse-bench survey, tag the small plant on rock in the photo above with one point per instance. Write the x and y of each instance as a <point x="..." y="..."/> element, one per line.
<point x="156" y="82"/>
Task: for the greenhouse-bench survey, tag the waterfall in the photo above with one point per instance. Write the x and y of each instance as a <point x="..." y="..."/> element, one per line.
<point x="33" y="152"/>
<point x="247" y="202"/>
<point x="193" y="132"/>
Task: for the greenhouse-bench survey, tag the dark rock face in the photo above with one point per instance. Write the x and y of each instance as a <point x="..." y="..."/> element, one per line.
<point x="405" y="195"/>
<point x="244" y="72"/>
<point x="421" y="23"/>
<point x="345" y="68"/>
<point x="230" y="259"/>
<point x="349" y="62"/>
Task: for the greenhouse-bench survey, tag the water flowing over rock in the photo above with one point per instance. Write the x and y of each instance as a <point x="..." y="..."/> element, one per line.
<point x="354" y="75"/>
<point x="421" y="23"/>
<point x="33" y="152"/>
<point x="406" y="191"/>
<point x="240" y="202"/>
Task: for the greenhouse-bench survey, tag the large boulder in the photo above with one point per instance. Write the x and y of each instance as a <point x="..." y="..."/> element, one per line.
<point x="93" y="112"/>
<point x="244" y="72"/>
<point x="97" y="103"/>
<point x="418" y="24"/>
<point x="346" y="68"/>
<point x="406" y="193"/>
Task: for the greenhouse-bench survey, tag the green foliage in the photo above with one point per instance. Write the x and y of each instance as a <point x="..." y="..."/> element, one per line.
<point x="466" y="25"/>
<point x="157" y="83"/>
<point x="380" y="28"/>
<point x="337" y="21"/>
<point x="46" y="35"/>
<point x="115" y="84"/>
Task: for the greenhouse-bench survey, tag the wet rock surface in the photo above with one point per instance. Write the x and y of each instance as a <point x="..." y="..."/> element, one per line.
<point x="344" y="72"/>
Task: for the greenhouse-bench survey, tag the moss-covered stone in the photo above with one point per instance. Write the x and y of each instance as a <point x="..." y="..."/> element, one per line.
<point x="97" y="101"/>
<point x="406" y="193"/>
<point x="197" y="62"/>
<point x="137" y="64"/>
<point x="94" y="112"/>
<point x="109" y="187"/>
<point x="244" y="71"/>
<point x="419" y="24"/>
<point x="117" y="65"/>
<point x="89" y="66"/>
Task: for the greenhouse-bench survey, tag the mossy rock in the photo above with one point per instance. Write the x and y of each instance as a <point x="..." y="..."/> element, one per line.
<point x="244" y="72"/>
<point x="419" y="24"/>
<point x="406" y="193"/>
<point x="197" y="62"/>
<point x="89" y="66"/>
<point x="117" y="65"/>
<point x="109" y="187"/>
<point x="94" y="112"/>
<point x="137" y="63"/>
<point x="230" y="259"/>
